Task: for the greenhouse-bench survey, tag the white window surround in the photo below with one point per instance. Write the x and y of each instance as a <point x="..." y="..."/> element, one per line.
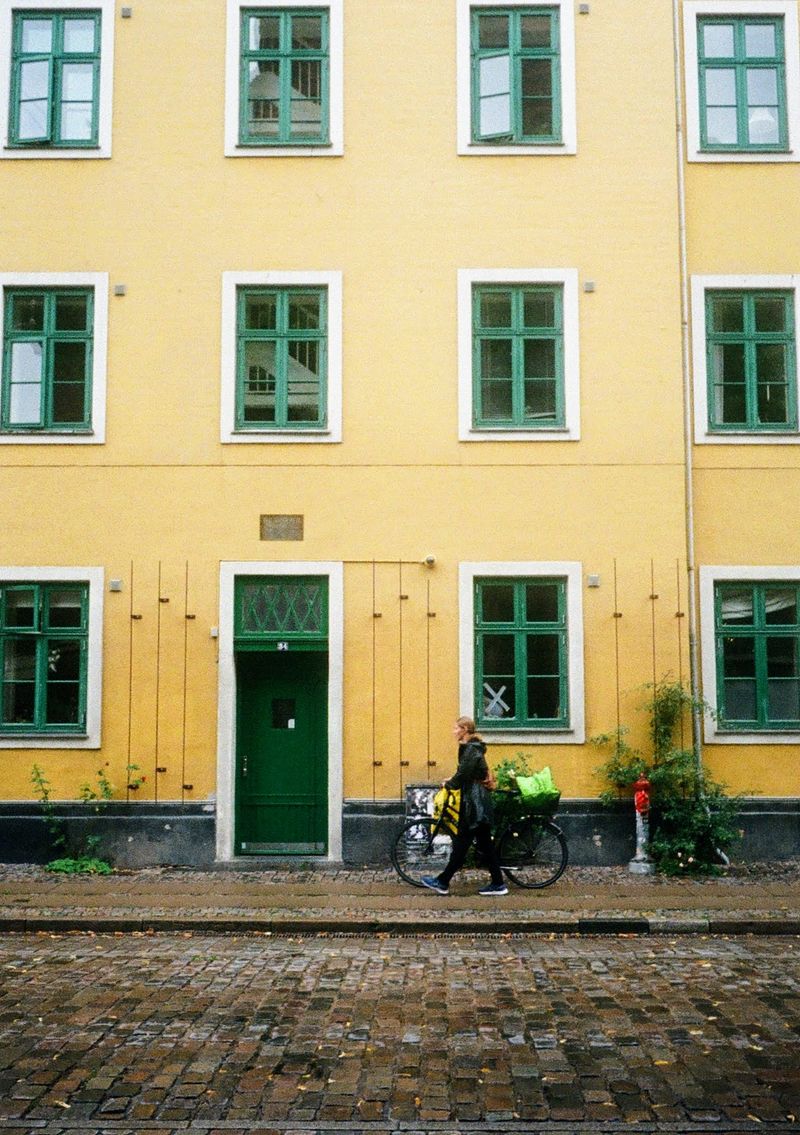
<point x="105" y="94"/>
<point x="709" y="577"/>
<point x="226" y="708"/>
<point x="700" y="285"/>
<point x="332" y="432"/>
<point x="335" y="146"/>
<point x="693" y="9"/>
<point x="568" y="278"/>
<point x="94" y="576"/>
<point x="98" y="281"/>
<point x="572" y="573"/>
<point x="569" y="134"/>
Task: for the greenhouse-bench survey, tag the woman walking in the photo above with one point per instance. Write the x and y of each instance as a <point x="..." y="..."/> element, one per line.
<point x="475" y="818"/>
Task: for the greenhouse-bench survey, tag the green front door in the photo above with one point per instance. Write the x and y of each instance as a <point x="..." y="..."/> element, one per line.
<point x="281" y="752"/>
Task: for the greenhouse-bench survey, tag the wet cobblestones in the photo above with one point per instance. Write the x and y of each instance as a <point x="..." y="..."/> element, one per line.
<point x="166" y="1032"/>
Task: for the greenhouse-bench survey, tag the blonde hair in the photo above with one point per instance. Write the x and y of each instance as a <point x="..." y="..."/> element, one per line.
<point x="468" y="725"/>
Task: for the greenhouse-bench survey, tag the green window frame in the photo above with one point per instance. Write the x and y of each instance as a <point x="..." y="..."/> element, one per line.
<point x="518" y="356"/>
<point x="516" y="75"/>
<point x="751" y="360"/>
<point x="284" y="96"/>
<point x="521" y="653"/>
<point x="742" y="76"/>
<point x="55" y="79"/>
<point x="757" y="629"/>
<point x="282" y="348"/>
<point x="43" y="657"/>
<point x="47" y="359"/>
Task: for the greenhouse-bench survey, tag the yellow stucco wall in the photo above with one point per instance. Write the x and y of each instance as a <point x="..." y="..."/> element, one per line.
<point x="398" y="215"/>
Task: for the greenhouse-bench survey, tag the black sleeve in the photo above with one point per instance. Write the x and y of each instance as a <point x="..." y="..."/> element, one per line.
<point x="471" y="767"/>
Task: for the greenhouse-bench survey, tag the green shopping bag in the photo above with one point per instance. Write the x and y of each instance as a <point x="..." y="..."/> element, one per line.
<point x="538" y="791"/>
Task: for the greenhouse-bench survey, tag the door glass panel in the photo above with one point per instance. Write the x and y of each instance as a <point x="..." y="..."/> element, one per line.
<point x="497" y="603"/>
<point x="284" y="713"/>
<point x="282" y="608"/>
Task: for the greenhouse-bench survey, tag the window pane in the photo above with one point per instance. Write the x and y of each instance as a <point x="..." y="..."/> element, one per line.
<point x="539" y="309"/>
<point x="537" y="78"/>
<point x="736" y="607"/>
<point x="740" y="700"/>
<point x="720" y="87"/>
<point x="497" y="403"/>
<point x="772" y="408"/>
<point x="496" y="358"/>
<point x="770" y="362"/>
<point x="540" y="401"/>
<point x="65" y="608"/>
<point x="495" y="75"/>
<point x="497" y="603"/>
<point x="19" y="682"/>
<point x="762" y="126"/>
<point x="543" y="698"/>
<point x="303" y="382"/>
<point x="76" y="121"/>
<point x="32" y="120"/>
<point x="20" y="611"/>
<point x="37" y="36"/>
<point x="721" y="126"/>
<point x="727" y="313"/>
<point x="34" y="80"/>
<point x="259" y="382"/>
<point x="729" y="362"/>
<point x="306" y="33"/>
<point x="264" y="33"/>
<point x="496" y="115"/>
<point x="263" y="97"/>
<point x="63" y="683"/>
<point x="493" y="31"/>
<point x="27" y="313"/>
<point x="762" y="86"/>
<point x="69" y="362"/>
<point x="770" y="314"/>
<point x="543" y="654"/>
<point x="780" y="606"/>
<point x="540" y="358"/>
<point x="759" y="40"/>
<point x="26" y="362"/>
<point x="718" y="41"/>
<point x="261" y="312"/>
<point x="498" y="676"/>
<point x="71" y="312"/>
<point x="77" y="82"/>
<point x="541" y="603"/>
<point x="304" y="312"/>
<point x="739" y="656"/>
<point x="535" y="31"/>
<point x="25" y="404"/>
<point x="495" y="309"/>
<point x="79" y="36"/>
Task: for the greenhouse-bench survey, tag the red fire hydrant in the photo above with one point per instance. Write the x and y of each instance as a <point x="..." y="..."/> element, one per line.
<point x="641" y="863"/>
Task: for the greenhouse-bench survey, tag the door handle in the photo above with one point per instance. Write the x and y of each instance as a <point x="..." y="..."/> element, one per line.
<point x="244" y="765"/>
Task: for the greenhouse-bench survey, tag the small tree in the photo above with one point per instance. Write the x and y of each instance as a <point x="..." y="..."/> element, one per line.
<point x="693" y="822"/>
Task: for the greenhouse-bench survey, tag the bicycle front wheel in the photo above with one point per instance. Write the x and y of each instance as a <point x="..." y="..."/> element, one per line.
<point x="420" y="849"/>
<point x="533" y="853"/>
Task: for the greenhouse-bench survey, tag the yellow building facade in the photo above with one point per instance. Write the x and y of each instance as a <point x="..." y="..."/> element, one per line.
<point x="365" y="364"/>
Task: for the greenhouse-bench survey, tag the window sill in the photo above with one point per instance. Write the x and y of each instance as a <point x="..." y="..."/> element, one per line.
<point x="516" y="149"/>
<point x="55" y="152"/>
<point x="522" y="736"/>
<point x="285" y="437"/>
<point x="752" y="156"/>
<point x="285" y="150"/>
<point x="749" y="437"/>
<point x="507" y="433"/>
<point x="758" y="737"/>
<point x="49" y="437"/>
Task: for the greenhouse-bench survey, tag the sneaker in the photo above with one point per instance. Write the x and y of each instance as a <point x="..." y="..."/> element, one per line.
<point x="494" y="889"/>
<point x="433" y="884"/>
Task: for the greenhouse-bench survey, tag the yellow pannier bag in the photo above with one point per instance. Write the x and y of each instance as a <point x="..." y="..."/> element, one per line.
<point x="447" y="804"/>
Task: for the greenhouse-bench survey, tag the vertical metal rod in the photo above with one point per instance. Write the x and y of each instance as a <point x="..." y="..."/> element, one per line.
<point x="653" y="598"/>
<point x="374" y="678"/>
<point x="185" y="680"/>
<point x="616" y="646"/>
<point x="428" y="679"/>
<point x="130" y="695"/>
<point x="158" y="688"/>
<point x="400" y="671"/>
<point x="679" y="616"/>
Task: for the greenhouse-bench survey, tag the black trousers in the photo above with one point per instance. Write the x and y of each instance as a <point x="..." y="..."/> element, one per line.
<point x="482" y="836"/>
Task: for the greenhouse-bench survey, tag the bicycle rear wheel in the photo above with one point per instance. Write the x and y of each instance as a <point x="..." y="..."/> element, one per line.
<point x="533" y="853"/>
<point x="420" y="849"/>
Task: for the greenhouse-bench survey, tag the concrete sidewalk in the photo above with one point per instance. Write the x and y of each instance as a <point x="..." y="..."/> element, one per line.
<point x="324" y="898"/>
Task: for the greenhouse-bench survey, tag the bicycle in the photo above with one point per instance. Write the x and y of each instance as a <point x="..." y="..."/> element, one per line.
<point x="532" y="849"/>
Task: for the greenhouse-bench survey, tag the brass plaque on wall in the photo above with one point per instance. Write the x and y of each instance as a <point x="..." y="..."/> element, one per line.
<point x="281" y="527"/>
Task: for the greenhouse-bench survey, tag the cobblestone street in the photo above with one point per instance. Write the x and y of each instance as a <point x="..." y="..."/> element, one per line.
<point x="250" y="1034"/>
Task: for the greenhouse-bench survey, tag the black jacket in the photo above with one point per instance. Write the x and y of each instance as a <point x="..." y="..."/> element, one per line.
<point x="476" y="801"/>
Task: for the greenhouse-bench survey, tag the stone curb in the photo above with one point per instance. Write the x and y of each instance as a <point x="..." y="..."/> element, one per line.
<point x="601" y="925"/>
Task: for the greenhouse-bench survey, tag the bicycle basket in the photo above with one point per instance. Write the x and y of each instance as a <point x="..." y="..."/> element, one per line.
<point x="539" y="793"/>
<point x="447" y="804"/>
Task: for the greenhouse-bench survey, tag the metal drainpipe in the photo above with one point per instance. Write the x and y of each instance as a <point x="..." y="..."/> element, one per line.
<point x="688" y="465"/>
